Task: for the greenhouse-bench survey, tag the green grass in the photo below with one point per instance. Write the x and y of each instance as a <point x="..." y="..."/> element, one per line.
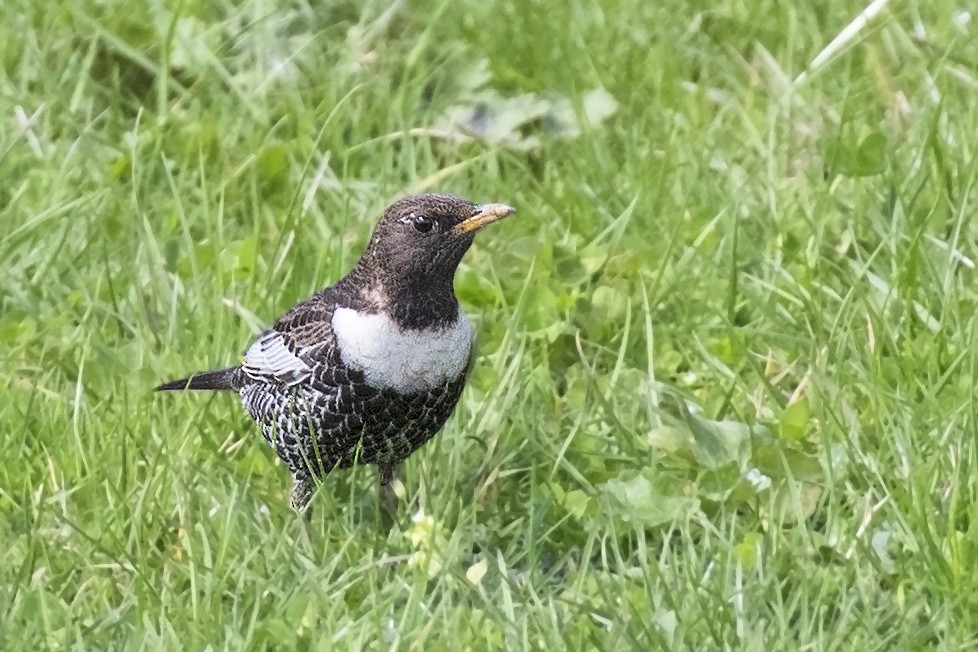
<point x="725" y="397"/>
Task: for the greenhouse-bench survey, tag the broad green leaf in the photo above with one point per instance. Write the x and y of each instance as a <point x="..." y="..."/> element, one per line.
<point x="795" y="501"/>
<point x="671" y="439"/>
<point x="719" y="483"/>
<point x="717" y="442"/>
<point x="783" y="460"/>
<point x="870" y="155"/>
<point x="795" y="419"/>
<point x="637" y="501"/>
<point x="577" y="502"/>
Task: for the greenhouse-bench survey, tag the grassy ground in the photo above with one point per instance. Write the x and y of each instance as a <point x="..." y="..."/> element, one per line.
<point x="725" y="395"/>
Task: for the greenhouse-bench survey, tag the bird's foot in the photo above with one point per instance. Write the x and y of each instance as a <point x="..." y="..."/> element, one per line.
<point x="390" y="493"/>
<point x="302" y="491"/>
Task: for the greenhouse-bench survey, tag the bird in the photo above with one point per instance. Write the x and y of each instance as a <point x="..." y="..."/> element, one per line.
<point x="367" y="370"/>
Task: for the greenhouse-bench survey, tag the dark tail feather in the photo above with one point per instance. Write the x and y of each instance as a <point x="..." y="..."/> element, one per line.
<point x="220" y="379"/>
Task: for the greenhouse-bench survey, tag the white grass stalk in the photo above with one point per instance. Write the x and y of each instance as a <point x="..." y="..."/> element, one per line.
<point x="843" y="38"/>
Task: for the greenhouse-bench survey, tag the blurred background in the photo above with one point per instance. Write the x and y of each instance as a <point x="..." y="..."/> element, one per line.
<point x="725" y="389"/>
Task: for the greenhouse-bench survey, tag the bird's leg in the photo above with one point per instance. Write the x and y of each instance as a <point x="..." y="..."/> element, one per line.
<point x="302" y="489"/>
<point x="390" y="492"/>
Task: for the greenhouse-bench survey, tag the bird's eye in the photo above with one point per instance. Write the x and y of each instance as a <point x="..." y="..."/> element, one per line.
<point x="419" y="222"/>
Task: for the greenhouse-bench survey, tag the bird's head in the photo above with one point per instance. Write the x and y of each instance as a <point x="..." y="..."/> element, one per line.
<point x="423" y="237"/>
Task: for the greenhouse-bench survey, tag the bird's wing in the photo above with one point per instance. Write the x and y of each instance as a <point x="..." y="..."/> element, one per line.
<point x="287" y="352"/>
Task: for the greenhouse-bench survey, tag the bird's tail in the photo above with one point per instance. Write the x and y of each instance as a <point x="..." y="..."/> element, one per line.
<point x="229" y="378"/>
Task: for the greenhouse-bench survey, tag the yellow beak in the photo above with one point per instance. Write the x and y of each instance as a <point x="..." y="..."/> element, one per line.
<point x="484" y="214"/>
